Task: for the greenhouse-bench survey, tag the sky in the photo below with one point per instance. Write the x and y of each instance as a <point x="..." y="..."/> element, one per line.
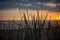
<point x="11" y="7"/>
<point x="28" y="4"/>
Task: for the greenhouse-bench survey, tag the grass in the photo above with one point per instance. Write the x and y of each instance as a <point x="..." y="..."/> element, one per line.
<point x="38" y="32"/>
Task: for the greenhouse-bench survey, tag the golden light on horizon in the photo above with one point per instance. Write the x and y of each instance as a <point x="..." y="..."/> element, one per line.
<point x="9" y="14"/>
<point x="58" y="20"/>
<point x="59" y="17"/>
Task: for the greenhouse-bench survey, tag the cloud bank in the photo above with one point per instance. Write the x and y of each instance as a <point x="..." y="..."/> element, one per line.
<point x="30" y="4"/>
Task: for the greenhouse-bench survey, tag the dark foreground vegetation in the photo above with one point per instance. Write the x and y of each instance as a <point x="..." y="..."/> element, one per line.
<point x="30" y="34"/>
<point x="26" y="32"/>
<point x="30" y="30"/>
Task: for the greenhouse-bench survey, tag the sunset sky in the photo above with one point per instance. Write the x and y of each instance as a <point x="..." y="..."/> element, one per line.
<point x="9" y="9"/>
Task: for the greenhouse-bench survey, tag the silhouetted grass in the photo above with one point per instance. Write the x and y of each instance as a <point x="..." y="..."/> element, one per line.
<point x="35" y="31"/>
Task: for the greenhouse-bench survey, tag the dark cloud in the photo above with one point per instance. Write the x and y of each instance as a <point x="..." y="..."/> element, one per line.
<point x="28" y="4"/>
<point x="32" y="0"/>
<point x="58" y="1"/>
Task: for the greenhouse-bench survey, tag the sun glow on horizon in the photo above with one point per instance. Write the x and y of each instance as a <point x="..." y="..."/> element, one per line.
<point x="59" y="17"/>
<point x="16" y="15"/>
